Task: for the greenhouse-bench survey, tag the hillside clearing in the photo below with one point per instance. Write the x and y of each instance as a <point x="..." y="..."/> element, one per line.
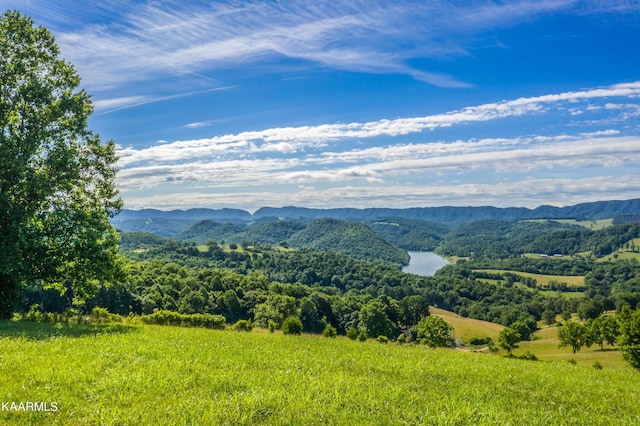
<point x="147" y="375"/>
<point x="542" y="280"/>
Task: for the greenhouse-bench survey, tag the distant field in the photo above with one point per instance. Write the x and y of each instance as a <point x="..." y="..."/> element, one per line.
<point x="546" y="348"/>
<point x="542" y="280"/>
<point x="594" y="225"/>
<point x="466" y="328"/>
<point x="565" y="294"/>
<point x="153" y="375"/>
<point x="623" y="253"/>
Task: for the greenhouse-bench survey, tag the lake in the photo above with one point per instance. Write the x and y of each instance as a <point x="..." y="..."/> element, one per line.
<point x="424" y="263"/>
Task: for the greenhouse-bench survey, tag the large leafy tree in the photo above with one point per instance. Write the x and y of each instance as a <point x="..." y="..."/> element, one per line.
<point x="630" y="336"/>
<point x="57" y="191"/>
<point x="575" y="335"/>
<point x="435" y="332"/>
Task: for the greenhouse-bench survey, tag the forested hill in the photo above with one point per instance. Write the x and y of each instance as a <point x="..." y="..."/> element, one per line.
<point x="455" y="215"/>
<point x="169" y="223"/>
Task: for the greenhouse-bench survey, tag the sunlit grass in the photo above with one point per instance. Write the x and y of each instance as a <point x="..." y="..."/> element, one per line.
<point x="467" y="328"/>
<point x="542" y="280"/>
<point x="154" y="375"/>
<point x="545" y="347"/>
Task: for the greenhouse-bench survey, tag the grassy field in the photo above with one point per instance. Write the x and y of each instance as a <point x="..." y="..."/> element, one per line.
<point x="153" y="375"/>
<point x="545" y="347"/>
<point x="542" y="280"/>
<point x="594" y="225"/>
<point x="466" y="328"/>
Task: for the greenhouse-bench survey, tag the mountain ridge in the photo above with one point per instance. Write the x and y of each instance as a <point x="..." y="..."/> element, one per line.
<point x="133" y="220"/>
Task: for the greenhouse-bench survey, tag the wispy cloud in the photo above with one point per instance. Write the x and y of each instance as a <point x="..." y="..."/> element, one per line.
<point x="106" y="106"/>
<point x="142" y="40"/>
<point x="530" y="192"/>
<point x="296" y="139"/>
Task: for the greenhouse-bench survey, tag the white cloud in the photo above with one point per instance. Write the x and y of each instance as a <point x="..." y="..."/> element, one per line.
<point x="530" y="192"/>
<point x="122" y="43"/>
<point x="297" y="139"/>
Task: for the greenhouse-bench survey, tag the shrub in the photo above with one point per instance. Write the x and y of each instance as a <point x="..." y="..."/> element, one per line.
<point x="528" y="356"/>
<point x="102" y="315"/>
<point x="402" y="338"/>
<point x="597" y="365"/>
<point x="292" y="325"/>
<point x="329" y="331"/>
<point x="243" y="325"/>
<point x="272" y="326"/>
<point x="435" y="332"/>
<point x="164" y="317"/>
<point x="352" y="333"/>
<point x="382" y="339"/>
<point x="479" y="341"/>
<point x="362" y="336"/>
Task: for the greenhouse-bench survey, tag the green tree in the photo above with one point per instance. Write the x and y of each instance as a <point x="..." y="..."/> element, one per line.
<point x="292" y="325"/>
<point x="374" y="321"/>
<point x="508" y="339"/>
<point x="549" y="317"/>
<point x="435" y="332"/>
<point x="575" y="335"/>
<point x="630" y="337"/>
<point x="57" y="194"/>
<point x="412" y="309"/>
<point x="603" y="329"/>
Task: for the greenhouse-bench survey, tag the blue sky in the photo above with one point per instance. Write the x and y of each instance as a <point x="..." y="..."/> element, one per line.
<point x="360" y="104"/>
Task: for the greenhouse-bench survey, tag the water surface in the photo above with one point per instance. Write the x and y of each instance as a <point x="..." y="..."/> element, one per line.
<point x="424" y="263"/>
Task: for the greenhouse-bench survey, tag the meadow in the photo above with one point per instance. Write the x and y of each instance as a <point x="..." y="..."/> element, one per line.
<point x="542" y="280"/>
<point x="135" y="374"/>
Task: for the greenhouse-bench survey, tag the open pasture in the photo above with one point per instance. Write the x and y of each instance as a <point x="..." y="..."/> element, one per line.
<point x="148" y="375"/>
<point x="542" y="280"/>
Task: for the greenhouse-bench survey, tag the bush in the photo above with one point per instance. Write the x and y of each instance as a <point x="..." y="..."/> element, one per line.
<point x="352" y="333"/>
<point x="362" y="336"/>
<point x="528" y="356"/>
<point x="272" y="326"/>
<point x="102" y="315"/>
<point x="292" y="325"/>
<point x="597" y="365"/>
<point x="383" y="339"/>
<point x="329" y="331"/>
<point x="480" y="341"/>
<point x="164" y="317"/>
<point x="402" y="338"/>
<point x="243" y="325"/>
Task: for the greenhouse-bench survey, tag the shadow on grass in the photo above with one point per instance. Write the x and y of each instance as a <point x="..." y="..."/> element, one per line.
<point x="44" y="330"/>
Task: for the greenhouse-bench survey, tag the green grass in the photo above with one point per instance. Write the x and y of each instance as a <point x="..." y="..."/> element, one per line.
<point x="545" y="347"/>
<point x="594" y="225"/>
<point x="154" y="375"/>
<point x="467" y="328"/>
<point x="565" y="294"/>
<point x="542" y="280"/>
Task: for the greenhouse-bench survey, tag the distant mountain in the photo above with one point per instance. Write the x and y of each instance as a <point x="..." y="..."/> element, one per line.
<point x="170" y="223"/>
<point x="455" y="215"/>
<point x="410" y="234"/>
<point x="205" y="230"/>
<point x="270" y="233"/>
<point x="351" y="238"/>
<point x="173" y="222"/>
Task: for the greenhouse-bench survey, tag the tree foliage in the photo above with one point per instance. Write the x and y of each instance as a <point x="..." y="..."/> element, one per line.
<point x="575" y="335"/>
<point x="435" y="332"/>
<point x="56" y="177"/>
<point x="508" y="339"/>
<point x="630" y="337"/>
